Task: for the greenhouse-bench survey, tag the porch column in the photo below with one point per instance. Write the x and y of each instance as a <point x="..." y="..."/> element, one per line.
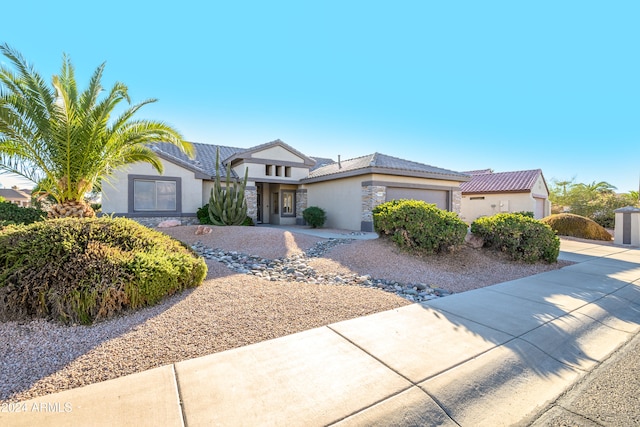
<point x="251" y="196"/>
<point x="456" y="201"/>
<point x="301" y="205"/>
<point x="372" y="196"/>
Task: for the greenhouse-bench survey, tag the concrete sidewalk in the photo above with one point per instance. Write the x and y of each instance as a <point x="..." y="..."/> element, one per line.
<point x="493" y="356"/>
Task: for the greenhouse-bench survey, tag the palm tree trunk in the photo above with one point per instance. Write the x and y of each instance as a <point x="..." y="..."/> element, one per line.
<point x="71" y="208"/>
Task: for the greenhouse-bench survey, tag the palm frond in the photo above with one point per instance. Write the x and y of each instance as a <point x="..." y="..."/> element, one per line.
<point x="66" y="140"/>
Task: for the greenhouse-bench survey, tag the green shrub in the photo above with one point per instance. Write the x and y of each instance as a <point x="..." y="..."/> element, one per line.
<point x="605" y="219"/>
<point x="526" y="213"/>
<point x="204" y="218"/>
<point x="14" y="214"/>
<point x="82" y="270"/>
<point x="314" y="216"/>
<point x="521" y="237"/>
<point x="203" y="215"/>
<point x="566" y="224"/>
<point x="419" y="226"/>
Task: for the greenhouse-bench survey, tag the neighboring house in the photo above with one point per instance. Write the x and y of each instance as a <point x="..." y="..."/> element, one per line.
<point x="17" y="197"/>
<point x="282" y="183"/>
<point x="489" y="193"/>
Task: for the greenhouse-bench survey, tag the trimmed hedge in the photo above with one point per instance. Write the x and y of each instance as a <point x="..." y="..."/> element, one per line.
<point x="14" y="214"/>
<point x="521" y="237"/>
<point x="82" y="270"/>
<point x="419" y="226"/>
<point x="314" y="216"/>
<point x="566" y="224"/>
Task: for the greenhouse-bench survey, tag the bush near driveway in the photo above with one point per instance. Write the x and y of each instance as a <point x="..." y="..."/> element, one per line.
<point x="521" y="237"/>
<point x="566" y="224"/>
<point x="82" y="270"/>
<point x="419" y="226"/>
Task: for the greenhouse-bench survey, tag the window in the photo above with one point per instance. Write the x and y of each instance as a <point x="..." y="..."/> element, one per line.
<point x="287" y="171"/>
<point x="268" y="170"/>
<point x="476" y="198"/>
<point x="288" y="203"/>
<point x="278" y="170"/>
<point x="154" y="195"/>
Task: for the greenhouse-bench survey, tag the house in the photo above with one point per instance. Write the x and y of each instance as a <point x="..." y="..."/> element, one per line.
<point x="489" y="193"/>
<point x="282" y="182"/>
<point x="17" y="197"/>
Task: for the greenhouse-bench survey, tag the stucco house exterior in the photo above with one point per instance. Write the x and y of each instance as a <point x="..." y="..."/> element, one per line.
<point x="489" y="193"/>
<point x="17" y="197"/>
<point x="282" y="182"/>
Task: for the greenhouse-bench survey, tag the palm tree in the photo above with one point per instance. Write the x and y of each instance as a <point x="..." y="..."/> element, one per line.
<point x="65" y="140"/>
<point x="597" y="187"/>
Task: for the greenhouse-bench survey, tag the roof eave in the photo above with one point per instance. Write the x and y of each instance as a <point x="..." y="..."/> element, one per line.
<point x="385" y="171"/>
<point x="495" y="192"/>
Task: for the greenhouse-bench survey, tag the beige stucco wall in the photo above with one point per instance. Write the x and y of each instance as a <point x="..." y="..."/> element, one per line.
<point x="114" y="192"/>
<point x="413" y="180"/>
<point x="505" y="202"/>
<point x="473" y="207"/>
<point x="277" y="153"/>
<point x="257" y="172"/>
<point x="341" y="199"/>
<point x="540" y="189"/>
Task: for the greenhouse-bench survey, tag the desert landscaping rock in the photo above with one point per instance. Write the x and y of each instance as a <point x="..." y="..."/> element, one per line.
<point x="327" y="281"/>
<point x="296" y="268"/>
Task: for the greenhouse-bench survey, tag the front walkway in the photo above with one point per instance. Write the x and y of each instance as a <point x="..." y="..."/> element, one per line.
<point x="327" y="233"/>
<point x="492" y="356"/>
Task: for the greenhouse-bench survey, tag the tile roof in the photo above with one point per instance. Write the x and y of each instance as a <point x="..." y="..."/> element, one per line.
<point x="321" y="162"/>
<point x="10" y="193"/>
<point x="381" y="162"/>
<point x="205" y="157"/>
<point x="205" y="162"/>
<point x="494" y="182"/>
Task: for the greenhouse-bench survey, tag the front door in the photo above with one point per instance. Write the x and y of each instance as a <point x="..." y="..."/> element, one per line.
<point x="274" y="217"/>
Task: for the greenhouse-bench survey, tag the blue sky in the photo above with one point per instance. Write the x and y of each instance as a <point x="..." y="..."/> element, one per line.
<point x="460" y="85"/>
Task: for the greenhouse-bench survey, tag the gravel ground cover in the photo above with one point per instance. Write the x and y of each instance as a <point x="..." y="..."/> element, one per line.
<point x="230" y="310"/>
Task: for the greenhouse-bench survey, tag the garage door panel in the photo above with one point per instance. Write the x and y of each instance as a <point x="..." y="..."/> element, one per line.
<point x="438" y="197"/>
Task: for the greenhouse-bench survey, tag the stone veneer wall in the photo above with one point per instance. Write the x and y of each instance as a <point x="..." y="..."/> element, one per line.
<point x="456" y="201"/>
<point x="153" y="222"/>
<point x="372" y="196"/>
<point x="251" y="196"/>
<point x="301" y="205"/>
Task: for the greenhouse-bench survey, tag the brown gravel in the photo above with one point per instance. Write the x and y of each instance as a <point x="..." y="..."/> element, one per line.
<point x="229" y="310"/>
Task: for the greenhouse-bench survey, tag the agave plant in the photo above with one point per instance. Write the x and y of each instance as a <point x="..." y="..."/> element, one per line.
<point x="64" y="140"/>
<point x="227" y="205"/>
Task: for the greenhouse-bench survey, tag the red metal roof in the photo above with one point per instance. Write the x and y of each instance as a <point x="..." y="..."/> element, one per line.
<point x="499" y="182"/>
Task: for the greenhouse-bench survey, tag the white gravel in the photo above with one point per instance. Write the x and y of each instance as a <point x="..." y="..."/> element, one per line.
<point x="229" y="310"/>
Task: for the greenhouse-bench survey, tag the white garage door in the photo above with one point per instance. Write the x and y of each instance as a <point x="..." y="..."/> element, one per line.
<point x="439" y="197"/>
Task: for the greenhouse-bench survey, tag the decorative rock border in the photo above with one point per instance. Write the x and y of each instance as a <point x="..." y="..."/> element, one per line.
<point x="295" y="268"/>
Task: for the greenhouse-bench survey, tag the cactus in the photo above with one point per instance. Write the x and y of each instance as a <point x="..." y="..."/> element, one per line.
<point x="227" y="206"/>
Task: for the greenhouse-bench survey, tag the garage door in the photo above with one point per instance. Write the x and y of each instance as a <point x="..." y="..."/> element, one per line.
<point x="439" y="197"/>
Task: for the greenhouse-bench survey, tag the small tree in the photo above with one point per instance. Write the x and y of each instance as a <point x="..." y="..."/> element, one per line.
<point x="65" y="140"/>
<point x="227" y="206"/>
